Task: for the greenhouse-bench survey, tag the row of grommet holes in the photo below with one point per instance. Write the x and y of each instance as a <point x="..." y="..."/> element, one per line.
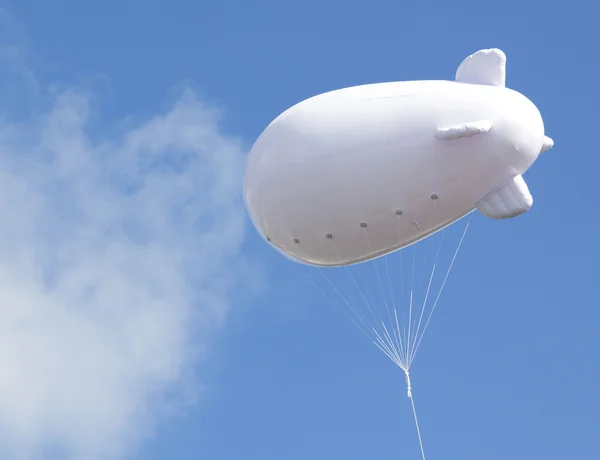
<point x="329" y="236"/>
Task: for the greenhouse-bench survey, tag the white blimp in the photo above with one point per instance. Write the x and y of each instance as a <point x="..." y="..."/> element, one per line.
<point x="399" y="159"/>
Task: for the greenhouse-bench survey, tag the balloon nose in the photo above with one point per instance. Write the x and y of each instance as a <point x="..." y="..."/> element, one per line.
<point x="548" y="144"/>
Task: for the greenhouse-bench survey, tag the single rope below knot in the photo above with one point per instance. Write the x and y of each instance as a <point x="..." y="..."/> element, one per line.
<point x="412" y="401"/>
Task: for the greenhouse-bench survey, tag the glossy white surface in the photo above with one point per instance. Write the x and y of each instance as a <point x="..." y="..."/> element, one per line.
<point x="361" y="155"/>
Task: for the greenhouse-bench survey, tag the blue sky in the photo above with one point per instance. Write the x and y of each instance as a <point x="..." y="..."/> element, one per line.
<point x="142" y="314"/>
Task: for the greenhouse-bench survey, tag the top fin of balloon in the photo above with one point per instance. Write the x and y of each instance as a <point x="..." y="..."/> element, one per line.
<point x="485" y="67"/>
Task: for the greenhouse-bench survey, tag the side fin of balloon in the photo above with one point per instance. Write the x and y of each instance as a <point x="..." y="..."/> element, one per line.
<point x="485" y="67"/>
<point x="507" y="201"/>
<point x="463" y="130"/>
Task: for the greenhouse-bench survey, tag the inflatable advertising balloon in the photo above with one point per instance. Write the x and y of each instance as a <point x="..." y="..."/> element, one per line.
<point x="351" y="175"/>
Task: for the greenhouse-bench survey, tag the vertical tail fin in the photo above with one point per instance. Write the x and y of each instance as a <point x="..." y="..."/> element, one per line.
<point x="485" y="67"/>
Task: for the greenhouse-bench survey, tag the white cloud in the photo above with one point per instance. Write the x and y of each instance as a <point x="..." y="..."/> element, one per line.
<point x="116" y="259"/>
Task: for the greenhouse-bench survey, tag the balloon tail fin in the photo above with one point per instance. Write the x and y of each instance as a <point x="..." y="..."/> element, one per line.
<point x="507" y="201"/>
